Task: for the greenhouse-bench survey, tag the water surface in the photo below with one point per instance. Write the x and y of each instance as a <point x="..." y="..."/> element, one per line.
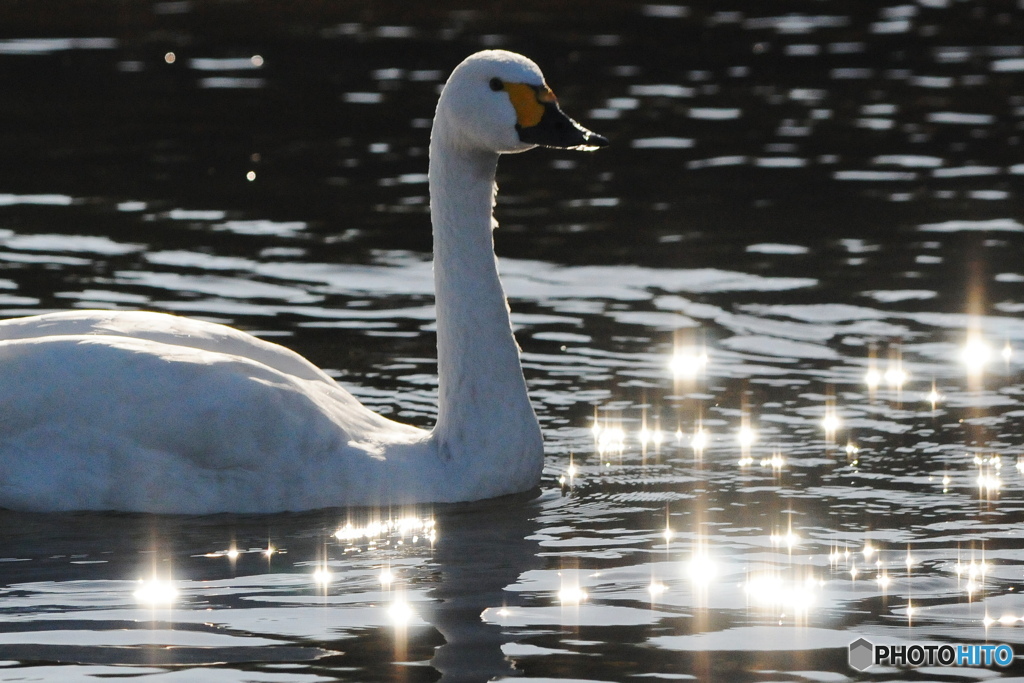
<point x="743" y="325"/>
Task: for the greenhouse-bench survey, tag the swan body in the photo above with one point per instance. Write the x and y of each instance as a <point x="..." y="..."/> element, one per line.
<point x="141" y="411"/>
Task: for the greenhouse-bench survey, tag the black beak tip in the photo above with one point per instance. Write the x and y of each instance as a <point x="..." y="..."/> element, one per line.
<point x="595" y="140"/>
<point x="555" y="129"/>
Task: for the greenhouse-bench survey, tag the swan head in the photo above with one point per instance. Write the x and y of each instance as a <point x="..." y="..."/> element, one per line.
<point x="498" y="101"/>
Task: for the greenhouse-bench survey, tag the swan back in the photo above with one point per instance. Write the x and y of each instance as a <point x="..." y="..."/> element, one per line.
<point x="165" y="329"/>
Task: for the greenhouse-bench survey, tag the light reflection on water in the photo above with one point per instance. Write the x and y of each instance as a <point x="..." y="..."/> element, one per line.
<point x="771" y="334"/>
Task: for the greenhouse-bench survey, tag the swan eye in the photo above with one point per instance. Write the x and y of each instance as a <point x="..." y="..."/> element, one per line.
<point x="497" y="85"/>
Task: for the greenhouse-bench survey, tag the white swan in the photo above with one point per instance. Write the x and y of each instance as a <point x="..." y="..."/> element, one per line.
<point x="141" y="411"/>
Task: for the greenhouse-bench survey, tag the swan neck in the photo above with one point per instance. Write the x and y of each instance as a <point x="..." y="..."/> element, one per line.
<point x="484" y="409"/>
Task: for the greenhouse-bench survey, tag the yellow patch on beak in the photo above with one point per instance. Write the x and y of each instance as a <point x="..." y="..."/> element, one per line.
<point x="529" y="101"/>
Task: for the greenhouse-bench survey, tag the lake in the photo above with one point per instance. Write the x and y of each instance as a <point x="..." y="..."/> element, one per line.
<point x="772" y="333"/>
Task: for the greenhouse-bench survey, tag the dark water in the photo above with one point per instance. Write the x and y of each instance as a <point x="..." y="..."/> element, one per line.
<point x="824" y="198"/>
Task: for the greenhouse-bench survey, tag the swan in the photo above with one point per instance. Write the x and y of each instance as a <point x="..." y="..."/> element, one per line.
<point x="150" y="412"/>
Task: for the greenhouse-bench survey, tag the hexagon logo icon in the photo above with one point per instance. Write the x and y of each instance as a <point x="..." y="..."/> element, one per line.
<point x="862" y="654"/>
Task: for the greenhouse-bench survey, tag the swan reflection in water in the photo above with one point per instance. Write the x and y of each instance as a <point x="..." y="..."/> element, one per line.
<point x="301" y="608"/>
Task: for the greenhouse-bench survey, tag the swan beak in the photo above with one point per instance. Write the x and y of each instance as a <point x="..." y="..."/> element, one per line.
<point x="555" y="129"/>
